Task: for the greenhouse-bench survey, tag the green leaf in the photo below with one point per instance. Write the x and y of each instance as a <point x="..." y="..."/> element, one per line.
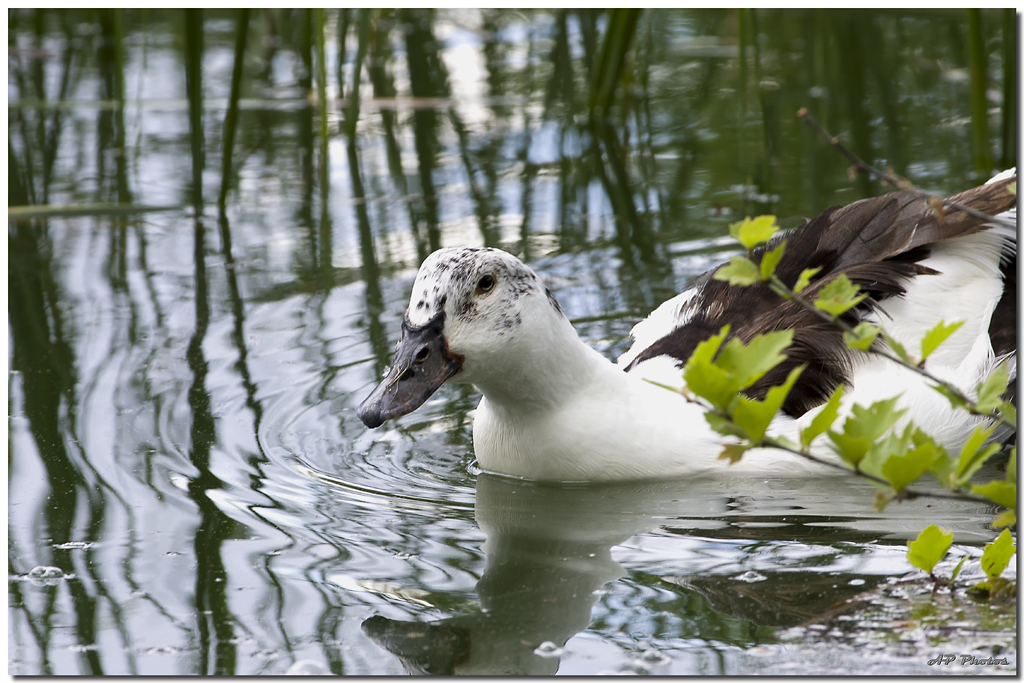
<point x="707" y="349"/>
<point x="711" y="383"/>
<point x="839" y="296"/>
<point x="863" y="336"/>
<point x="974" y="453"/>
<point x="1009" y="412"/>
<point x="944" y="469"/>
<point x="748" y="363"/>
<point x="705" y="379"/>
<point x="935" y="336"/>
<point x="882" y="499"/>
<point x="956" y="569"/>
<point x="1011" y="466"/>
<point x="954" y="400"/>
<point x="874" y="420"/>
<point x="901" y="470"/>
<point x="898" y="349"/>
<point x="752" y="232"/>
<point x="931" y="545"/>
<point x="852" y="449"/>
<point x="1000" y="492"/>
<point x="783" y="442"/>
<point x="901" y="445"/>
<point x="740" y="271"/>
<point x="676" y="390"/>
<point x="733" y="452"/>
<point x="996" y="588"/>
<point x="824" y="419"/>
<point x="1004" y="518"/>
<point x="724" y="425"/>
<point x="805" y="279"/>
<point x="990" y="391"/>
<point x="863" y="427"/>
<point x="997" y="554"/>
<point x="755" y="416"/>
<point x="771" y="259"/>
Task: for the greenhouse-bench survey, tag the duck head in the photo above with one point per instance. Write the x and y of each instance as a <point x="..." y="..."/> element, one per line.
<point x="465" y="322"/>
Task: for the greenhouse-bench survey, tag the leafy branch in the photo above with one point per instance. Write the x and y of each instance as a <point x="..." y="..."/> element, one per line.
<point x="839" y="296"/>
<point x="868" y="443"/>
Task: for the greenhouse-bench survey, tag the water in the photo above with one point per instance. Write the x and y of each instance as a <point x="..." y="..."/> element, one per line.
<point x="190" y="490"/>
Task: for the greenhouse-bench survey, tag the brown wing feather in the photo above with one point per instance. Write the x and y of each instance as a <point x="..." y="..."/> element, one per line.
<point x="876" y="242"/>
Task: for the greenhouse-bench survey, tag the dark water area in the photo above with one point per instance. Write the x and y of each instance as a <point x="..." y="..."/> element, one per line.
<point x="215" y="220"/>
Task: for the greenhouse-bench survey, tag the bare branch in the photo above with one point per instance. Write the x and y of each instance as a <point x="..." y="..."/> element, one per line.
<point x="934" y="200"/>
<point x="906" y="494"/>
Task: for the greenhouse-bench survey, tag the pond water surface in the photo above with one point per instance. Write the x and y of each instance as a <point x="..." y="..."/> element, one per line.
<point x="190" y="490"/>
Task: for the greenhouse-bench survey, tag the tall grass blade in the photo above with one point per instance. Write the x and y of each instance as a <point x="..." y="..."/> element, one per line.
<point x="978" y="63"/>
<point x="231" y="118"/>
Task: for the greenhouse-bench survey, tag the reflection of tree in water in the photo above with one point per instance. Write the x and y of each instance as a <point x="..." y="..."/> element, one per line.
<point x="782" y="599"/>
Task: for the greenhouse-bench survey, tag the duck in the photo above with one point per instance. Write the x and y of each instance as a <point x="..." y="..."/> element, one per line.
<point x="552" y="408"/>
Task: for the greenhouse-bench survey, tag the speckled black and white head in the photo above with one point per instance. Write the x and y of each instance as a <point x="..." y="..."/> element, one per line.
<point x="472" y="284"/>
<point x="474" y="314"/>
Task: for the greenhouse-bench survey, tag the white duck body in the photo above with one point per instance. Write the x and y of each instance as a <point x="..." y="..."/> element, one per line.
<point x="555" y="409"/>
<point x="575" y="416"/>
<point x="967" y="288"/>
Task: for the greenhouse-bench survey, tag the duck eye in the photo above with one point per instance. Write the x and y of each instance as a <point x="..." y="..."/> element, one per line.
<point x="485" y="285"/>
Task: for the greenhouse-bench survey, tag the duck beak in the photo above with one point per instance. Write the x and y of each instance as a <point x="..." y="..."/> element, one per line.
<point x="421" y="364"/>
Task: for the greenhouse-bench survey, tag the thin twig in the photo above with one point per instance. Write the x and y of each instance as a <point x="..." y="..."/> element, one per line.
<point x="906" y="493"/>
<point x="768" y="442"/>
<point x="896" y="181"/>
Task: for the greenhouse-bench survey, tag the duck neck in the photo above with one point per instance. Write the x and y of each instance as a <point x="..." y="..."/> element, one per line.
<point x="539" y="369"/>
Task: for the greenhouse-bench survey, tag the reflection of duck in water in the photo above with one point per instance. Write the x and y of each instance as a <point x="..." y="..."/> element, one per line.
<point x="553" y="408"/>
<point x="543" y="568"/>
<point x="549" y="552"/>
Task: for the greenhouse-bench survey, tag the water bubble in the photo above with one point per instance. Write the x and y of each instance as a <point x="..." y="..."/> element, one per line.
<point x="75" y="545"/>
<point x="163" y="650"/>
<point x="856" y="582"/>
<point x="751" y="577"/>
<point x="47" y="576"/>
<point x="306" y="667"/>
<point x="637" y="666"/>
<point x="547" y="649"/>
<point x="652" y="656"/>
<point x="45" y="573"/>
<point x="83" y="648"/>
